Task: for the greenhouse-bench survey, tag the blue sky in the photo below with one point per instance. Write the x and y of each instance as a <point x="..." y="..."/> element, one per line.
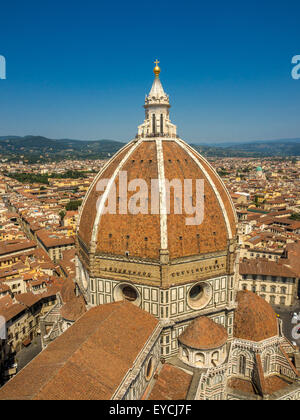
<point x="81" y="69"/>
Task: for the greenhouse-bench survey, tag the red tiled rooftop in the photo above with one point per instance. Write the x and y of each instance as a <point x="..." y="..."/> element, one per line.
<point x="254" y="318"/>
<point x="204" y="333"/>
<point x="89" y="360"/>
<point x="266" y="267"/>
<point x="15" y="246"/>
<point x="27" y="299"/>
<point x="73" y="309"/>
<point x="172" y="384"/>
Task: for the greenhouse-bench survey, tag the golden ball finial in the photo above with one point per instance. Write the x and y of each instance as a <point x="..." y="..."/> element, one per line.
<point x="156" y="68"/>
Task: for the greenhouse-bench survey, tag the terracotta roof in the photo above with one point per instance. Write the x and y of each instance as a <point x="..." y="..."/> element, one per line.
<point x="15" y="246"/>
<point x="293" y="260"/>
<point x="118" y="233"/>
<point x="4" y="288"/>
<point x="89" y="360"/>
<point x="254" y="318"/>
<point x="172" y="384"/>
<point x="70" y="213"/>
<point x="27" y="299"/>
<point x="52" y="290"/>
<point x="272" y="384"/>
<point x="265" y="267"/>
<point x="241" y="385"/>
<point x="67" y="263"/>
<point x="6" y="301"/>
<point x="51" y="239"/>
<point x="204" y="333"/>
<point x="11" y="311"/>
<point x="73" y="309"/>
<point x="275" y="383"/>
<point x="67" y="290"/>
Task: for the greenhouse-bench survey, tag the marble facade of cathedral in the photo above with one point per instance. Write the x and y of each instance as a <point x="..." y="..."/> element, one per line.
<point x="164" y="316"/>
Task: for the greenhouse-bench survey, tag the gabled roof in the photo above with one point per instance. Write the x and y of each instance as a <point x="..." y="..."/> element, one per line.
<point x="89" y="360"/>
<point x="27" y="299"/>
<point x="266" y="267"/>
<point x="172" y="384"/>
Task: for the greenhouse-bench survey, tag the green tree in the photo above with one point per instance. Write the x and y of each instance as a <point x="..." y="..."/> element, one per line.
<point x="62" y="214"/>
<point x="73" y="205"/>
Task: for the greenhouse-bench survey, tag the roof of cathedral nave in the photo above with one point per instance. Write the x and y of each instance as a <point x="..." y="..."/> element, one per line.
<point x="144" y="235"/>
<point x="89" y="360"/>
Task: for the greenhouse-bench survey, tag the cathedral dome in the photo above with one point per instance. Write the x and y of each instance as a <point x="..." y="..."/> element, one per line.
<point x="254" y="318"/>
<point x="204" y="334"/>
<point x="157" y="200"/>
<point x="145" y="234"/>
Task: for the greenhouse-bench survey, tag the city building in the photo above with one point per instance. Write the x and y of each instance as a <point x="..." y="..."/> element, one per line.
<point x="54" y="243"/>
<point x="274" y="282"/>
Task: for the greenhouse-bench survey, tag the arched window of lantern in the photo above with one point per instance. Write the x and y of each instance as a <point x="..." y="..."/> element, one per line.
<point x="161" y="123"/>
<point x="153" y="124"/>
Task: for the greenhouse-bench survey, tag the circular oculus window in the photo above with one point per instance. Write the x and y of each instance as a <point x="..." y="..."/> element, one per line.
<point x="127" y="292"/>
<point x="199" y="295"/>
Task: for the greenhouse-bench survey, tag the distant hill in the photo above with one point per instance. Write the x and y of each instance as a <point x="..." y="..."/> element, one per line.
<point x="237" y="143"/>
<point x="39" y="148"/>
<point x="260" y="148"/>
<point x="34" y="148"/>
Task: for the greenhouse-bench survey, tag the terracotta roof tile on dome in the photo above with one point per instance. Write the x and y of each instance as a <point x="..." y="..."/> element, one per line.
<point x="89" y="204"/>
<point x="254" y="318"/>
<point x="119" y="233"/>
<point x="203" y="334"/>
